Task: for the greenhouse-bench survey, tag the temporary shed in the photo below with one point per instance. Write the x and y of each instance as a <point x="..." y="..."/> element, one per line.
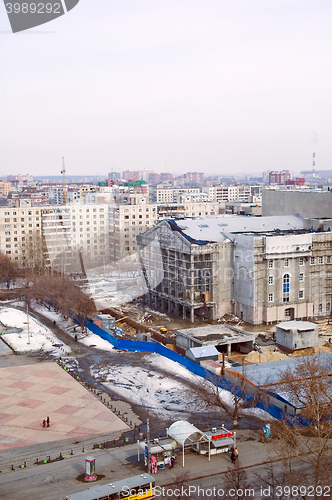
<point x="198" y="354"/>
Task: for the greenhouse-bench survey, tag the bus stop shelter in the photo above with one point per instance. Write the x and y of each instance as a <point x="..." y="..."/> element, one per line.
<point x="183" y="431"/>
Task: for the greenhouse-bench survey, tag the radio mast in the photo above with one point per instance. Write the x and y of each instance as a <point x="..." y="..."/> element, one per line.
<point x="63" y="171"/>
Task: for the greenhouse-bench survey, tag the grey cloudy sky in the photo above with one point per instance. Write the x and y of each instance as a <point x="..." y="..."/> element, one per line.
<point x="220" y="86"/>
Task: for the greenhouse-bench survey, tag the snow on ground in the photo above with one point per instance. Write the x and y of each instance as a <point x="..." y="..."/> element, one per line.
<point x="41" y="338"/>
<point x="95" y="341"/>
<point x="158" y="390"/>
<point x="149" y="388"/>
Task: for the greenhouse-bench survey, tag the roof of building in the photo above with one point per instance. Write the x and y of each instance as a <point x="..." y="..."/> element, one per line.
<point x="269" y="373"/>
<point x="298" y="325"/>
<point x="182" y="430"/>
<point x="204" y="351"/>
<point x="217" y="334"/>
<point x="221" y="227"/>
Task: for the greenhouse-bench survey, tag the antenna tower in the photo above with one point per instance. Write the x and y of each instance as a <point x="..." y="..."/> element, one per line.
<point x="63" y="171"/>
<point x="313" y="164"/>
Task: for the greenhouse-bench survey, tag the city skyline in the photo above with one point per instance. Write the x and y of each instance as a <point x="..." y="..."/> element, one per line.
<point x="173" y="87"/>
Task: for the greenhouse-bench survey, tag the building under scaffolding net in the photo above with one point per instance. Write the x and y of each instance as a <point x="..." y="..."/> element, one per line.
<point x="262" y="269"/>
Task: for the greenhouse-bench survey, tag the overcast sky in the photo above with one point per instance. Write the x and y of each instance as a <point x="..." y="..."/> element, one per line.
<point x="219" y="86"/>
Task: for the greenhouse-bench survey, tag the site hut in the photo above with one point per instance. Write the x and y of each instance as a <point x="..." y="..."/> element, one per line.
<point x="293" y="335"/>
<point x="105" y="322"/>
<point x="204" y="353"/>
<point x="266" y="376"/>
<point x="224" y="338"/>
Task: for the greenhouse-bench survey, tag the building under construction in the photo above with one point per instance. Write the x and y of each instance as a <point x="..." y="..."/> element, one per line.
<point x="263" y="270"/>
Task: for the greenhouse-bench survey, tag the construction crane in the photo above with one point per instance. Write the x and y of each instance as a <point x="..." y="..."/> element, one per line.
<point x="63" y="171"/>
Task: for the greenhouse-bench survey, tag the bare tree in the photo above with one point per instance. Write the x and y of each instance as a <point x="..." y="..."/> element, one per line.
<point x="236" y="481"/>
<point x="64" y="295"/>
<point x="212" y="396"/>
<point x="9" y="271"/>
<point x="307" y="436"/>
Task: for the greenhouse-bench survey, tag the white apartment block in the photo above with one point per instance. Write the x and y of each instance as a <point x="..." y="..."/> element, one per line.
<point x="125" y="223"/>
<point x="169" y="195"/>
<point x="228" y="193"/>
<point x="54" y="237"/>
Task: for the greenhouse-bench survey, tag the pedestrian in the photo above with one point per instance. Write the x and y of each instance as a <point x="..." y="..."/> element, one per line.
<point x="48" y="421"/>
<point x="233" y="456"/>
<point x="170" y="463"/>
<point x="236" y="453"/>
<point x="44" y="423"/>
<point x="172" y="460"/>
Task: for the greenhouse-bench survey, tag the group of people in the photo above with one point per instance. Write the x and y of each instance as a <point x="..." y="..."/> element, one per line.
<point x="46" y="423"/>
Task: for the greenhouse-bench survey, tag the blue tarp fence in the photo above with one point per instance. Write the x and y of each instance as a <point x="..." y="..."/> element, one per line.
<point x="154" y="347"/>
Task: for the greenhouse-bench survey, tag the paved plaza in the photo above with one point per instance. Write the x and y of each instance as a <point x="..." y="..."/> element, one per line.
<point x="30" y="392"/>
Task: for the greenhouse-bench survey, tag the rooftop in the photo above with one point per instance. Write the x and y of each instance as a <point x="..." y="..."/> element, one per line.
<point x="221" y="227"/>
<point x="298" y="325"/>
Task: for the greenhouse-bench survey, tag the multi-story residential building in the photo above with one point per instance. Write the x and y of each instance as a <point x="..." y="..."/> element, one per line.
<point x="169" y="195"/>
<point x="126" y="222"/>
<point x="223" y="192"/>
<point x="5" y="188"/>
<point x="55" y="237"/>
<point x="279" y="177"/>
<point x="264" y="269"/>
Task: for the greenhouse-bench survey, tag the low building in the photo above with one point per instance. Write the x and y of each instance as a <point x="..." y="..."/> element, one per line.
<point x="292" y="335"/>
<point x="198" y="354"/>
<point x="224" y="338"/>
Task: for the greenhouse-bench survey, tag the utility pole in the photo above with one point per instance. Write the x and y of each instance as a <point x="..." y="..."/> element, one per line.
<point x="63" y="171"/>
<point x="148" y="441"/>
<point x="28" y="324"/>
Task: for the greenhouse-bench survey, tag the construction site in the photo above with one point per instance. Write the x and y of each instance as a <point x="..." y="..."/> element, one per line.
<point x="263" y="270"/>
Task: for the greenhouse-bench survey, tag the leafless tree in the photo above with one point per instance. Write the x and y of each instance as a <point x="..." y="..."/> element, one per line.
<point x="8" y="270"/>
<point x="236" y="480"/>
<point x="309" y="389"/>
<point x="64" y="295"/>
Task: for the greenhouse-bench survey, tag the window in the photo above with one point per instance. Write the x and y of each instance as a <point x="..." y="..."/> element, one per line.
<point x="320" y="260"/>
<point x="328" y="307"/>
<point x="270" y="280"/>
<point x="301" y="294"/>
<point x="270" y="297"/>
<point x="288" y="315"/>
<point x="286" y="262"/>
<point x="320" y="308"/>
<point x="285" y="283"/>
<point x="301" y="261"/>
<point x="270" y="264"/>
<point x="328" y="259"/>
<point x="312" y="261"/>
<point x="301" y="277"/>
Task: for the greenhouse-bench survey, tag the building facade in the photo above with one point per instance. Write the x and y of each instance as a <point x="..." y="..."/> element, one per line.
<point x="263" y="270"/>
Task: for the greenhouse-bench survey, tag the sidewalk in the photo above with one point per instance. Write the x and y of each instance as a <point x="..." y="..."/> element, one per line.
<point x="117" y="463"/>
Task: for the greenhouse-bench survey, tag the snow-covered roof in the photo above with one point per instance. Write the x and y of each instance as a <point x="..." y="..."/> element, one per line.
<point x="298" y="325"/>
<point x="182" y="430"/>
<point x="269" y="373"/>
<point x="204" y="351"/>
<point x="221" y="227"/>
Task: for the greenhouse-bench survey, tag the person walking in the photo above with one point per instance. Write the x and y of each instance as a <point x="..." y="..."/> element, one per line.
<point x="44" y="423"/>
<point x="48" y="421"/>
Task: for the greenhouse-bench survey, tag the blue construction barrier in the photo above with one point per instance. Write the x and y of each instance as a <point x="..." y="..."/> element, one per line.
<point x="154" y="347"/>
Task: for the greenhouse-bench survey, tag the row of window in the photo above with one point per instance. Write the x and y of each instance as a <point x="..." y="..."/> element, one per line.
<point x="301" y="296"/>
<point x="301" y="278"/>
<point x="313" y="261"/>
